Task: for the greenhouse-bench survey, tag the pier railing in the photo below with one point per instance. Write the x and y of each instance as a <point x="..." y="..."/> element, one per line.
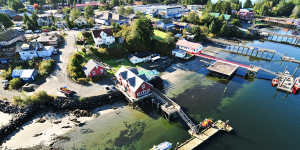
<point x="180" y="112"/>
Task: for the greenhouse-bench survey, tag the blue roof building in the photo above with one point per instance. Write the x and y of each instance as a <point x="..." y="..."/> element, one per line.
<point x="26" y="75"/>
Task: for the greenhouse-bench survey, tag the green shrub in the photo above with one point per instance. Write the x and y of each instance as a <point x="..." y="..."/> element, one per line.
<point x="7" y="74"/>
<point x="46" y="67"/>
<point x="40" y="98"/>
<point x="15" y="83"/>
<point x="74" y="67"/>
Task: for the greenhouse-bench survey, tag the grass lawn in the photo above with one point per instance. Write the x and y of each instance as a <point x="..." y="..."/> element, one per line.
<point x="160" y="35"/>
<point x="116" y="64"/>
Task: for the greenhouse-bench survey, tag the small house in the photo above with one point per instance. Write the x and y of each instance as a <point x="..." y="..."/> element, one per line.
<point x="129" y="82"/>
<point x="44" y="20"/>
<point x="181" y="54"/>
<point x="10" y="37"/>
<point x="34" y="50"/>
<point x="189" y="47"/>
<point x="49" y="39"/>
<point x="103" y="37"/>
<point x="93" y="68"/>
<point x="140" y="57"/>
<point x="26" y="75"/>
<point x="81" y="21"/>
<point x="165" y="26"/>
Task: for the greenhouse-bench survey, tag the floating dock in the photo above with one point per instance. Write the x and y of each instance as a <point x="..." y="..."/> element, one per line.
<point x="223" y="68"/>
<point x="207" y="133"/>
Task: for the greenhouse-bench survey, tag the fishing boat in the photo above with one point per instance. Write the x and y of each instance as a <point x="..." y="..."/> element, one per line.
<point x="296" y="87"/>
<point x="162" y="146"/>
<point x="286" y="82"/>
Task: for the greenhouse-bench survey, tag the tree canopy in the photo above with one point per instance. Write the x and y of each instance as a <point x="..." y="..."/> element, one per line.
<point x="5" y="20"/>
<point x="74" y="14"/>
<point x="248" y="4"/>
<point x="15" y="4"/>
<point x="88" y="12"/>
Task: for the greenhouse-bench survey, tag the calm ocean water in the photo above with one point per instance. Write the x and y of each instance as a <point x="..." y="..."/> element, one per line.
<point x="263" y="117"/>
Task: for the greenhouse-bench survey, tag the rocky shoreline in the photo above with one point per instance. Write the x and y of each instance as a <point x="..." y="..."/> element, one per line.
<point x="60" y="104"/>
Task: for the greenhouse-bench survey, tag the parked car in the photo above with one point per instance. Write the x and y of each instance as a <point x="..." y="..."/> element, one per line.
<point x="67" y="92"/>
<point x="28" y="87"/>
<point x="37" y="31"/>
<point x="45" y="30"/>
<point x="75" y="28"/>
<point x="4" y="84"/>
<point x="28" y="32"/>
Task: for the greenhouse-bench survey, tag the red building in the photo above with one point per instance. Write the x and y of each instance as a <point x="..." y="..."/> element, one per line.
<point x="135" y="87"/>
<point x="93" y="68"/>
<point x="246" y="14"/>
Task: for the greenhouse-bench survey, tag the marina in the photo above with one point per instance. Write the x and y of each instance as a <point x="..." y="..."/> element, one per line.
<point x="276" y="37"/>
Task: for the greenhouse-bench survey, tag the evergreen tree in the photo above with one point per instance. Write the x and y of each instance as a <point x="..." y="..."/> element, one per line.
<point x="74" y="14"/>
<point x="15" y="4"/>
<point x="248" y="4"/>
<point x="5" y="20"/>
<point x="88" y="12"/>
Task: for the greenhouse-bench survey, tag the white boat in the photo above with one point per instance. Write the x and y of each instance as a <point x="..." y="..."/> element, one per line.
<point x="162" y="146"/>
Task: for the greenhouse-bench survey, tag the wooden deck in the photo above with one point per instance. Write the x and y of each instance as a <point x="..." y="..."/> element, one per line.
<point x="223" y="68"/>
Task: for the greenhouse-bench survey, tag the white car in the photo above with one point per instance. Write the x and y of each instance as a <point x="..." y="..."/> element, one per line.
<point x="28" y="32"/>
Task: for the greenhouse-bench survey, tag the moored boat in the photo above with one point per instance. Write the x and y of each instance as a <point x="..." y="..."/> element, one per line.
<point x="296" y="87"/>
<point x="162" y="146"/>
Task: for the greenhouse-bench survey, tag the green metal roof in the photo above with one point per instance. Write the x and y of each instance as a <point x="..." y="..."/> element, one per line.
<point x="216" y="15"/>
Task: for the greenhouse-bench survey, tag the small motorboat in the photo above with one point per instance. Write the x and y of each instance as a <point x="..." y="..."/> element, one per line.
<point x="296" y="87"/>
<point x="162" y="146"/>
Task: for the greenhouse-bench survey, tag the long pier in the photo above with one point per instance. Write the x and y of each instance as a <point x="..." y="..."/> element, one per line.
<point x="248" y="67"/>
<point x="283" y="22"/>
<point x="276" y="37"/>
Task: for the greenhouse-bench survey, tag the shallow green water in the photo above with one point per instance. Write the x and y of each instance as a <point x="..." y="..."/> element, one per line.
<point x="263" y="117"/>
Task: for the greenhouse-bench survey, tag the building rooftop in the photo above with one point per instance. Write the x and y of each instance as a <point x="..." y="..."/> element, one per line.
<point x="9" y="35"/>
<point x="223" y="68"/>
<point x="185" y="43"/>
<point x="89" y="66"/>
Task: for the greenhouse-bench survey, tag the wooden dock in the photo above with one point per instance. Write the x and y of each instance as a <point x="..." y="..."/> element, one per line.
<point x="276" y="21"/>
<point x="223" y="68"/>
<point x="199" y="138"/>
<point x="276" y="37"/>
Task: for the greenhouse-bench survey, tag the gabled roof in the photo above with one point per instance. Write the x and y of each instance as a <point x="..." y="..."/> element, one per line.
<point x="188" y="44"/>
<point x="10" y="34"/>
<point x="90" y="65"/>
<point x="96" y="33"/>
<point x="133" y="79"/>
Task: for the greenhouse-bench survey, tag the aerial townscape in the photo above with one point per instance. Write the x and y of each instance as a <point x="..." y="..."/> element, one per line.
<point x="149" y="74"/>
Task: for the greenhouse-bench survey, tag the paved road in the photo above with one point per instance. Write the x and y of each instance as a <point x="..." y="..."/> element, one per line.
<point x="59" y="77"/>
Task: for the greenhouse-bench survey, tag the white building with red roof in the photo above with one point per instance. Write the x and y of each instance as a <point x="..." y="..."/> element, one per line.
<point x="133" y="85"/>
<point x="190" y="47"/>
